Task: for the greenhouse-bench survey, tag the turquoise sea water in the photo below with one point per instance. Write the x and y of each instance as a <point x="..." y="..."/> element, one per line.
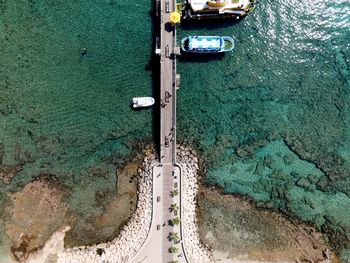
<point x="271" y="118"/>
<point x="65" y="111"/>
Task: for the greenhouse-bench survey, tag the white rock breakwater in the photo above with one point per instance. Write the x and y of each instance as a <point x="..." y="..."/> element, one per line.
<point x="120" y="249"/>
<point x="195" y="251"/>
<point x="134" y="234"/>
<point x="130" y="240"/>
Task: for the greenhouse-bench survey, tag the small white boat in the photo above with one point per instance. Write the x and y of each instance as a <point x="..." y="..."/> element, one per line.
<point x="142" y="102"/>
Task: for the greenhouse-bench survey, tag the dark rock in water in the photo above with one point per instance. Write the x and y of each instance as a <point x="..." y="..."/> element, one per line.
<point x="262" y="186"/>
<point x="278" y="192"/>
<point x="330" y="219"/>
<point x="29" y="157"/>
<point x="278" y="174"/>
<point x="295" y="174"/>
<point x="312" y="178"/>
<point x="274" y="194"/>
<point x="288" y="159"/>
<point x="7" y="172"/>
<point x="264" y="205"/>
<point x="303" y="182"/>
<point x="268" y="161"/>
<point x="331" y="164"/>
<point x="281" y="192"/>
<point x="259" y="167"/>
<point x="241" y="152"/>
<point x="248" y="149"/>
<point x="2" y="147"/>
<point x="336" y="235"/>
<point x="341" y="185"/>
<point x="322" y="183"/>
<point x="346" y="229"/>
<point x="289" y="184"/>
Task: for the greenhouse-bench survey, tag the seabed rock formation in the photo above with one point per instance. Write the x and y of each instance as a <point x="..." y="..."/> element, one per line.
<point x="195" y="250"/>
<point x="238" y="232"/>
<point x="34" y="213"/>
<point x="280" y="179"/>
<point x="133" y="235"/>
<point x="285" y="241"/>
<point x="131" y="238"/>
<point x="35" y="210"/>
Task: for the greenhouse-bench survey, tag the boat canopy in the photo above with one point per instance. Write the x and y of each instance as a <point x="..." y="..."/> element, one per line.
<point x="213" y="43"/>
<point x="200" y="5"/>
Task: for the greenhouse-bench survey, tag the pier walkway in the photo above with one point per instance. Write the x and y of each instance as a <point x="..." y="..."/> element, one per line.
<point x="167" y="175"/>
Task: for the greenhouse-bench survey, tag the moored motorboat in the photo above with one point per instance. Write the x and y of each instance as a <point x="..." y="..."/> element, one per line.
<point x="201" y="9"/>
<point x="142" y="102"/>
<point x="207" y="44"/>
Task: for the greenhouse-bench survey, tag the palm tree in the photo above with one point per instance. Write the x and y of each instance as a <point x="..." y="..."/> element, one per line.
<point x="173" y="236"/>
<point x="174" y="192"/>
<point x="173" y="250"/>
<point x="175" y="221"/>
<point x="173" y="207"/>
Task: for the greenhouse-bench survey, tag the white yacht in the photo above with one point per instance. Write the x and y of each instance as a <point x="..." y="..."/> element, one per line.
<point x="219" y="8"/>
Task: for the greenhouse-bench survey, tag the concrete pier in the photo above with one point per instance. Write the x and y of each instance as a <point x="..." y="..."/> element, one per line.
<point x="167" y="175"/>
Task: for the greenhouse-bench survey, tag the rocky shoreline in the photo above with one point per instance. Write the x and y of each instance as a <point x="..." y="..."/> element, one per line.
<point x="130" y="240"/>
<point x="237" y="231"/>
<point x="121" y="249"/>
<point x="195" y="250"/>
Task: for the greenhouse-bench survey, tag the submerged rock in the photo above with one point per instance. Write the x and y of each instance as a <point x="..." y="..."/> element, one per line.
<point x="7" y="172"/>
<point x="235" y="230"/>
<point x="33" y="214"/>
<point x="322" y="183"/>
<point x="303" y="182"/>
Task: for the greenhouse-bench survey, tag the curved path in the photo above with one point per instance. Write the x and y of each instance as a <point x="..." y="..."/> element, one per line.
<point x="157" y="245"/>
<point x="167" y="175"/>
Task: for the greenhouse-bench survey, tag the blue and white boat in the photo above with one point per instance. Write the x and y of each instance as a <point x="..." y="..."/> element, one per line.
<point x="207" y="44"/>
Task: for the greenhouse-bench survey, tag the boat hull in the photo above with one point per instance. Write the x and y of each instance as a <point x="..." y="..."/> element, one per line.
<point x="202" y="9"/>
<point x="207" y="44"/>
<point x="142" y="102"/>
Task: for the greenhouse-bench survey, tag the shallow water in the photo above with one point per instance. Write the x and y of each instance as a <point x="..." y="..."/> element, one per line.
<point x="272" y="117"/>
<point x="68" y="71"/>
<point x="266" y="115"/>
